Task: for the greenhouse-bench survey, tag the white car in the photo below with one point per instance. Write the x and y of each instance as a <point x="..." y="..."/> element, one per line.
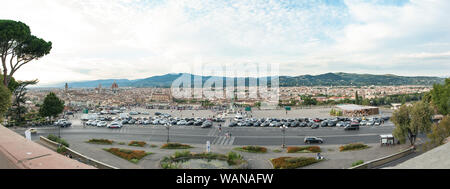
<point x="155" y="122"/>
<point x="102" y="124"/>
<point x="114" y="125"/>
<point x="182" y="122"/>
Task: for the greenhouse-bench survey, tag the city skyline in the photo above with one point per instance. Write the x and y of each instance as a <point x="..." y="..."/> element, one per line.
<point x="138" y="39"/>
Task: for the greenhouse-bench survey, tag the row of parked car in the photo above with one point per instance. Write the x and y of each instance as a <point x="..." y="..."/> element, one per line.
<point x="348" y="123"/>
<point x="158" y="119"/>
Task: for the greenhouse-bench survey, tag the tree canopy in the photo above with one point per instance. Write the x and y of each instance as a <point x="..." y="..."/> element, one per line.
<point x="411" y="120"/>
<point x="440" y="97"/>
<point x="52" y="106"/>
<point x="5" y="100"/>
<point x="440" y="131"/>
<point x="19" y="47"/>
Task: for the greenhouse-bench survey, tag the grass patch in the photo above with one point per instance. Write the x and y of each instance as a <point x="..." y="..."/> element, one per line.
<point x="174" y="161"/>
<point x="153" y="146"/>
<point x="252" y="149"/>
<point x="131" y="155"/>
<point x="121" y="143"/>
<point x="359" y="162"/>
<point x="58" y="140"/>
<point x="292" y="162"/>
<point x="100" y="141"/>
<point x="303" y="149"/>
<point x="137" y="143"/>
<point x="330" y="149"/>
<point x="277" y="151"/>
<point x="175" y="146"/>
<point x="353" y="146"/>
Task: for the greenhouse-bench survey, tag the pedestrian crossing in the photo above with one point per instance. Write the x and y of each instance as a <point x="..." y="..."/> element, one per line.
<point x="223" y="140"/>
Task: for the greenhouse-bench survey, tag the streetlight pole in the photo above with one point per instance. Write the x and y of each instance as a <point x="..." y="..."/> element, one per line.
<point x="283" y="129"/>
<point x="168" y="129"/>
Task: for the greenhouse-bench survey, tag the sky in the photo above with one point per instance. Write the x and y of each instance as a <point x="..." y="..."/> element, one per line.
<point x="110" y="39"/>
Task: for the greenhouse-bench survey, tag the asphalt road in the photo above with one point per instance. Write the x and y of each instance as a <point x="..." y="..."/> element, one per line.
<point x="239" y="135"/>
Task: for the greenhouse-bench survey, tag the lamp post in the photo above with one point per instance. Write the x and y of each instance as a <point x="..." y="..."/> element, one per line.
<point x="168" y="129"/>
<point x="283" y="129"/>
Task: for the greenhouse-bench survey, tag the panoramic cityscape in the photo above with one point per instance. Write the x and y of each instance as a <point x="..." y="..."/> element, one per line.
<point x="194" y="85"/>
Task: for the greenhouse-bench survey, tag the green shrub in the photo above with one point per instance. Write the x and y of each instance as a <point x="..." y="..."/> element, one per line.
<point x="292" y="162"/>
<point x="175" y="146"/>
<point x="179" y="154"/>
<point x="137" y="143"/>
<point x="61" y="150"/>
<point x="359" y="162"/>
<point x="131" y="155"/>
<point x="100" y="141"/>
<point x="252" y="149"/>
<point x="353" y="146"/>
<point x="58" y="140"/>
<point x="304" y="149"/>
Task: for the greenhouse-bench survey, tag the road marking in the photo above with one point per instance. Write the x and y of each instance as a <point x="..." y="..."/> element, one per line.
<point x="231" y="142"/>
<point x="224" y="141"/>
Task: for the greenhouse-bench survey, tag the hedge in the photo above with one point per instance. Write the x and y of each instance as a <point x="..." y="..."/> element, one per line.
<point x="304" y="149"/>
<point x="252" y="149"/>
<point x="100" y="141"/>
<point x="58" y="140"/>
<point x="353" y="146"/>
<point x="175" y="146"/>
<point x="130" y="155"/>
<point x="137" y="143"/>
<point x="292" y="162"/>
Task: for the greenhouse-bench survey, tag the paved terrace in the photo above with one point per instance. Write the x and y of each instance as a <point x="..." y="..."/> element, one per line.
<point x="16" y="152"/>
<point x="437" y="158"/>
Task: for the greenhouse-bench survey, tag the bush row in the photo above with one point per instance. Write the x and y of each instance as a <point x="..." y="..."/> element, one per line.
<point x="130" y="155"/>
<point x="58" y="140"/>
<point x="100" y="141"/>
<point x="304" y="149"/>
<point x="175" y="146"/>
<point x="137" y="143"/>
<point x="252" y="149"/>
<point x="353" y="146"/>
<point x="293" y="162"/>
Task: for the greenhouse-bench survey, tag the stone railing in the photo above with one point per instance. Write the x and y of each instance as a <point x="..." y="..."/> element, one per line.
<point x="384" y="160"/>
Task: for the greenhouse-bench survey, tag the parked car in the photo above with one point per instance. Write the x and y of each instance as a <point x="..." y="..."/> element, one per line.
<point x="315" y="126"/>
<point x="114" y="124"/>
<point x="309" y="140"/>
<point x="207" y="124"/>
<point x="102" y="124"/>
<point x="62" y="123"/>
<point x="232" y="124"/>
<point x="352" y="126"/>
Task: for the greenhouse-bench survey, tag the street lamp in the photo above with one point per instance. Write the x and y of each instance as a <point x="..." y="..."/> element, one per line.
<point x="283" y="129"/>
<point x="168" y="129"/>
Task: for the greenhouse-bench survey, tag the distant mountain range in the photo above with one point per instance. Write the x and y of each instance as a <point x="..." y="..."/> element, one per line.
<point x="328" y="79"/>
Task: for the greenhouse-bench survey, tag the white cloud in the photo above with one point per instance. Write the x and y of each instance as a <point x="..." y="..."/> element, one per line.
<point x="98" y="39"/>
